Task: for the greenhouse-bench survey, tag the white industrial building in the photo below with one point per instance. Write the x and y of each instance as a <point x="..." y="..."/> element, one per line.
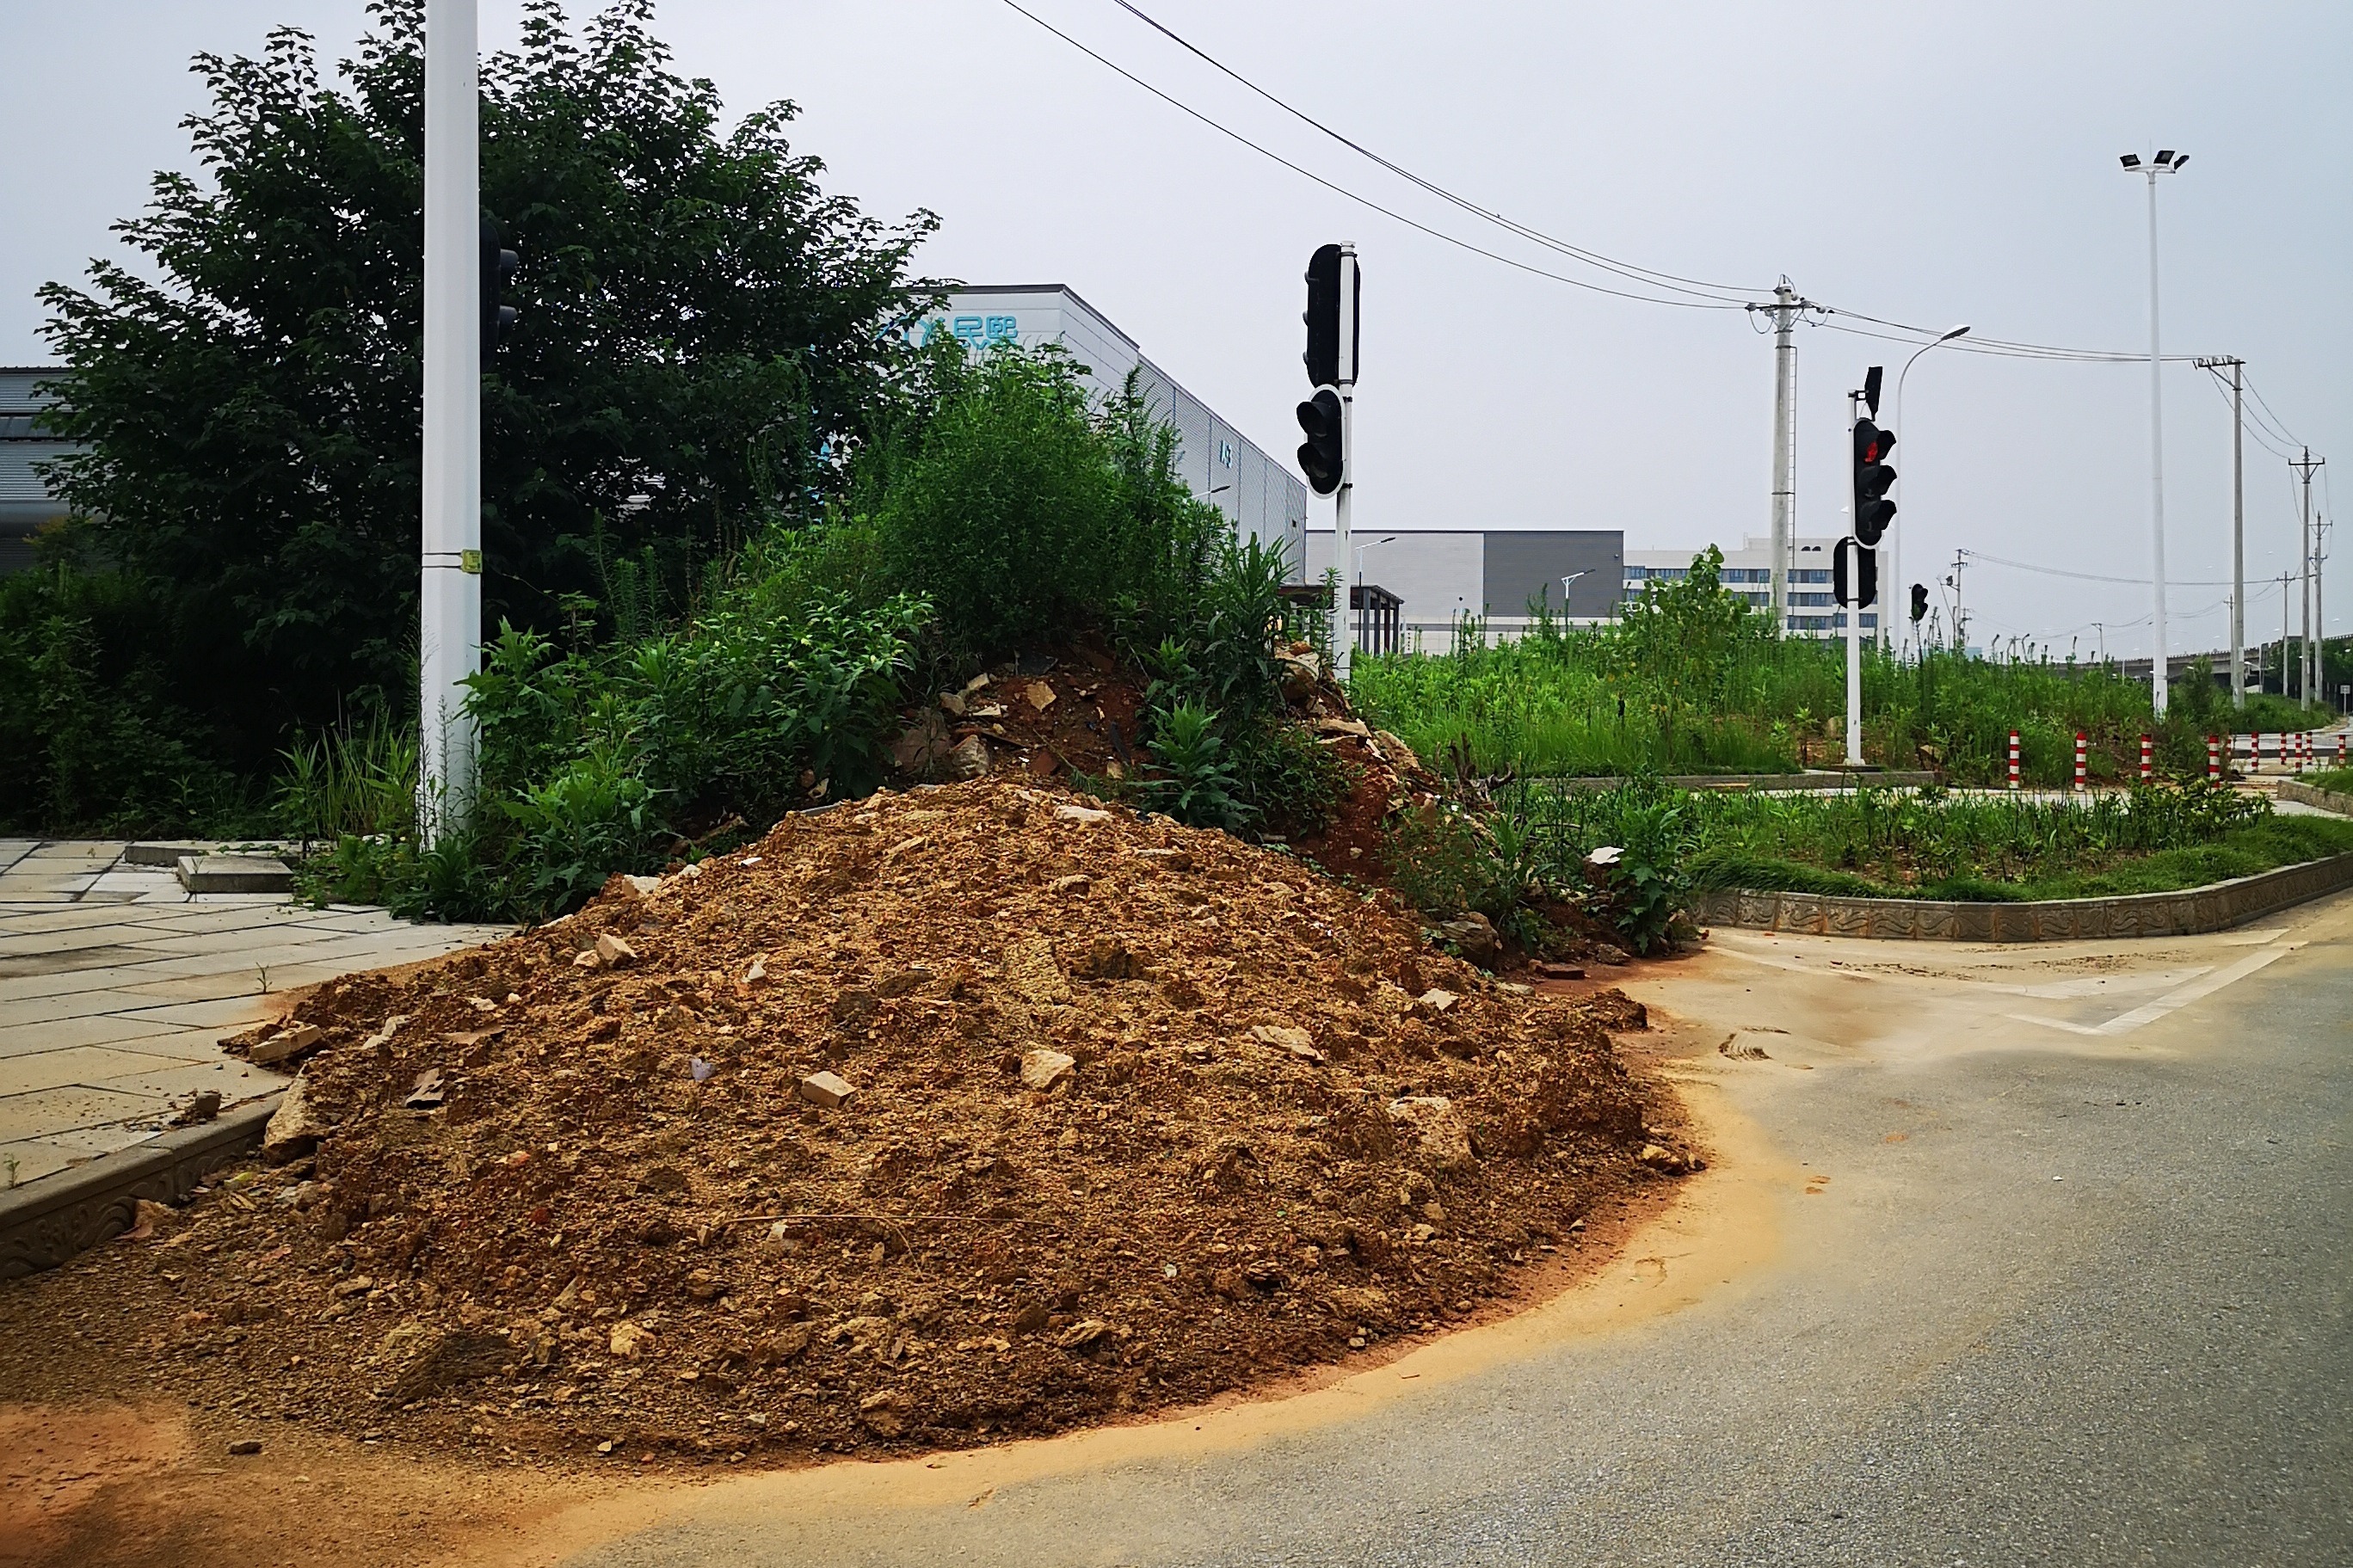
<point x="26" y="504"/>
<point x="1749" y="572"/>
<point x="1443" y="575"/>
<point x="1216" y="462"/>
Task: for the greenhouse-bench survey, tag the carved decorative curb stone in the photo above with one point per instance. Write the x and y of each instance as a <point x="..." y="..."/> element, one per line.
<point x="2216" y="907"/>
<point x="45" y="1222"/>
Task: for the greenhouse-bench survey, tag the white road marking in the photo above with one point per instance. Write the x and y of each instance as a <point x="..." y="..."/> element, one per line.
<point x="2206" y="985"/>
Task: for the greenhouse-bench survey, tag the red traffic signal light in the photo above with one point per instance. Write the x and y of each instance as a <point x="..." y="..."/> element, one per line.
<point x="1320" y="458"/>
<point x="1873" y="510"/>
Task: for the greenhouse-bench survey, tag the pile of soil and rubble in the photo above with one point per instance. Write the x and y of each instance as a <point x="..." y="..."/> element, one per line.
<point x="1070" y="712"/>
<point x="977" y="1110"/>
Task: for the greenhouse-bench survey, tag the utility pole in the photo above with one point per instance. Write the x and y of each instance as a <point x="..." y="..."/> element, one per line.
<point x="1785" y="483"/>
<point x="451" y="591"/>
<point x="2306" y="667"/>
<point x="2165" y="162"/>
<point x="1960" y="627"/>
<point x="2237" y="368"/>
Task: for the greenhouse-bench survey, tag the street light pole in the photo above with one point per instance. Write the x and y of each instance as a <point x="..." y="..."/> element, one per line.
<point x="2164" y="163"/>
<point x="1359" y="595"/>
<point x="450" y="589"/>
<point x="1903" y="432"/>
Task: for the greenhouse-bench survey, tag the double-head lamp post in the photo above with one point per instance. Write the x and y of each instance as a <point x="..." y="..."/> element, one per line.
<point x="2167" y="162"/>
<point x="1895" y="577"/>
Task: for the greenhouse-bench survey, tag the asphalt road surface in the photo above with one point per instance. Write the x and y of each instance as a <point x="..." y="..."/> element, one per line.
<point x="2026" y="1256"/>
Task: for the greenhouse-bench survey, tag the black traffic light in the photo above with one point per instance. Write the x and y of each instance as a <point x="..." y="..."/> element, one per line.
<point x="1873" y="510"/>
<point x="499" y="264"/>
<point x="1320" y="456"/>
<point x="1855" y="565"/>
<point x="1322" y="318"/>
<point x="1919" y="603"/>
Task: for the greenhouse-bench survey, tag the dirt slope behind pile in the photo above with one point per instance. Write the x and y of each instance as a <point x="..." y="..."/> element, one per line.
<point x="1136" y="1114"/>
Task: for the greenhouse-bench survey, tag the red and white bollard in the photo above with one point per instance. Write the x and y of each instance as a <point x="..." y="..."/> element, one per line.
<point x="2013" y="759"/>
<point x="2302" y="748"/>
<point x="2148" y="759"/>
<point x="2080" y="769"/>
<point x="2340" y="748"/>
<point x="2214" y="759"/>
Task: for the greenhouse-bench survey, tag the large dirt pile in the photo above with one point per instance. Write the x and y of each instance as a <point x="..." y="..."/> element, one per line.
<point x="1133" y="1114"/>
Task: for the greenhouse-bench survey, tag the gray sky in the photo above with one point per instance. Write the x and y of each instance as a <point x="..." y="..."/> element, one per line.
<point x="1933" y="166"/>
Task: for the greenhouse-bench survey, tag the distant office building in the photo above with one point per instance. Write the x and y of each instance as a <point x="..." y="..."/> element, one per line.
<point x="1443" y="575"/>
<point x="26" y="503"/>
<point x="1749" y="572"/>
<point x="1216" y="462"/>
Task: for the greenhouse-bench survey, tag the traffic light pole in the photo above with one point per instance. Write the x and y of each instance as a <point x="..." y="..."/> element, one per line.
<point x="1853" y="612"/>
<point x="1343" y="637"/>
<point x="451" y="586"/>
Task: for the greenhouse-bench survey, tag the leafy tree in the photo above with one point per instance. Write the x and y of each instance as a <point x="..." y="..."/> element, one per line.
<point x="706" y="337"/>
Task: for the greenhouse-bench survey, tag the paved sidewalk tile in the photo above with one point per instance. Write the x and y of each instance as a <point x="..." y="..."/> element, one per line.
<point x="129" y="1031"/>
<point x="69" y="1108"/>
<point x="88" y="1064"/>
<point x="111" y="1011"/>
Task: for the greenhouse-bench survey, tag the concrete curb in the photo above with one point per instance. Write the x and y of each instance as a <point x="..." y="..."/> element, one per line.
<point x="2326" y="799"/>
<point x="2216" y="907"/>
<point x="1760" y="783"/>
<point x="47" y="1221"/>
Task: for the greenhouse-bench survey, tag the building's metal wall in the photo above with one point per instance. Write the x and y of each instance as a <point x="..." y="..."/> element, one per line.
<point x="1520" y="565"/>
<point x="1216" y="462"/>
<point x="26" y="503"/>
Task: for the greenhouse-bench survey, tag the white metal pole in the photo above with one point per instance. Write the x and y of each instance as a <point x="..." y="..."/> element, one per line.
<point x="2238" y="538"/>
<point x="2303" y="592"/>
<point x="2159" y="670"/>
<point x="1784" y="491"/>
<point x="1852" y="611"/>
<point x="450" y="592"/>
<point x="1344" y="624"/>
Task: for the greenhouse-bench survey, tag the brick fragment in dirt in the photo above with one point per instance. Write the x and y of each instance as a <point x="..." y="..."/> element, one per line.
<point x="1067" y="1158"/>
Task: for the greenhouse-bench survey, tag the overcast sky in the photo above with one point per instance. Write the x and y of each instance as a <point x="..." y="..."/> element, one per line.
<point x="1931" y="165"/>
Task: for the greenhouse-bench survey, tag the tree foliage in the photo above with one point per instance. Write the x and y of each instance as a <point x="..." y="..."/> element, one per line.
<point x="706" y="336"/>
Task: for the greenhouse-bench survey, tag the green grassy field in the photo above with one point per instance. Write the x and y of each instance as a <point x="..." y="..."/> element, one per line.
<point x="1930" y="845"/>
<point x="1693" y="681"/>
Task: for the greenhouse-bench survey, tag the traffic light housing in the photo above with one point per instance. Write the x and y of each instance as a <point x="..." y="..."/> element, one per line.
<point x="1853" y="567"/>
<point x="1321" y="457"/>
<point x="499" y="264"/>
<point x="1322" y="318"/>
<point x="1873" y="510"/>
<point x="1919" y="603"/>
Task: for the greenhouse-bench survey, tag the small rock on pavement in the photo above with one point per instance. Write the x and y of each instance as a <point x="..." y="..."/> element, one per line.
<point x="828" y="1090"/>
<point x="615" y="952"/>
<point x="243" y="1446"/>
<point x="1087" y="814"/>
<point x="1042" y="1070"/>
<point x="1436" y="999"/>
<point x="286" y="1045"/>
<point x="756" y="974"/>
<point x="971" y="759"/>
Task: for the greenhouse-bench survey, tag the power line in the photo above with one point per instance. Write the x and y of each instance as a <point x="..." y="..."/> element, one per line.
<point x="1980" y="555"/>
<point x="1348" y="194"/>
<point x="1704" y="295"/>
<point x="1624" y="269"/>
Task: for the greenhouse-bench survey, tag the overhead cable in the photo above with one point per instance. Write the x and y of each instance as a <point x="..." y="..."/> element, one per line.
<point x="1594" y="258"/>
<point x="1348" y="194"/>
